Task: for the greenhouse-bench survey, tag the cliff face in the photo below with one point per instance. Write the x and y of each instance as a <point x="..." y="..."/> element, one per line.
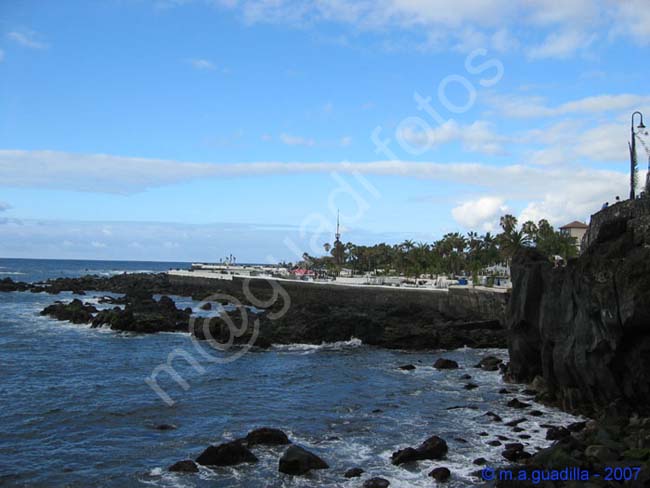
<point x="585" y="328"/>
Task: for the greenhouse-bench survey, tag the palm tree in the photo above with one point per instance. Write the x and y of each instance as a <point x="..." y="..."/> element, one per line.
<point x="530" y="229"/>
<point x="508" y="223"/>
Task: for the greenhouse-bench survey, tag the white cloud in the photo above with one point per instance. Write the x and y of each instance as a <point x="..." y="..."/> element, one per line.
<point x="569" y="141"/>
<point x="606" y="142"/>
<point x="579" y="190"/>
<point x="291" y="140"/>
<point x="481" y="213"/>
<point x="98" y="244"/>
<point x="553" y="12"/>
<point x="4" y="206"/>
<point x="202" y="64"/>
<point x="530" y="107"/>
<point x="633" y="18"/>
<point x="26" y="39"/>
<point x="476" y="137"/>
<point x="561" y="45"/>
<point x="567" y="25"/>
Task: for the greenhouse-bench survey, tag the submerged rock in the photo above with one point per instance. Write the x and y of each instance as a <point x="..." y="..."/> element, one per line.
<point x="493" y="417"/>
<point x="407" y="367"/>
<point x="228" y="454"/>
<point x="299" y="461"/>
<point x="353" y="473"/>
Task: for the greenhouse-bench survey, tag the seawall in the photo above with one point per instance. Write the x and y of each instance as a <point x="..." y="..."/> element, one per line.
<point x="458" y="303"/>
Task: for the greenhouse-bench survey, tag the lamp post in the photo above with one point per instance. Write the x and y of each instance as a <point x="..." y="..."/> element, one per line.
<point x="633" y="151"/>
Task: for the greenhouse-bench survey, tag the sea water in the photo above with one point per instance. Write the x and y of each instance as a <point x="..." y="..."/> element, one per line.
<point x="75" y="409"/>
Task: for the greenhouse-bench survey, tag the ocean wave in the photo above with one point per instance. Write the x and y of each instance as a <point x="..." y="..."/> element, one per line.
<point x="324" y="346"/>
<point x="12" y="273"/>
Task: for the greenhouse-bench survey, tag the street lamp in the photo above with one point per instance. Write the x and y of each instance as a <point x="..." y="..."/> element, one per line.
<point x="633" y="152"/>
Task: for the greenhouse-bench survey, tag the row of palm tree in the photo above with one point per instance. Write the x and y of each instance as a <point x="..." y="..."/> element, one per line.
<point x="453" y="254"/>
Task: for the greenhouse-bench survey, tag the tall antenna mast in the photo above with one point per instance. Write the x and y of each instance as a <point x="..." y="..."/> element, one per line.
<point x="338" y="226"/>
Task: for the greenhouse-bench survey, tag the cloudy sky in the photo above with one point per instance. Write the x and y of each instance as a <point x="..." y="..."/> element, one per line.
<point x="191" y="129"/>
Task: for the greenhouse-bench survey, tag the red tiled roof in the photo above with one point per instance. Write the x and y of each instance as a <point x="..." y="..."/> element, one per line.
<point x="575" y="225"/>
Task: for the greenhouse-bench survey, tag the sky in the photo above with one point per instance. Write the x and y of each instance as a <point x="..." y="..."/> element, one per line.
<point x="188" y="130"/>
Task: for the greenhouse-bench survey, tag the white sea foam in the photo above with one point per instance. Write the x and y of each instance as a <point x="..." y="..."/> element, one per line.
<point x="325" y="346"/>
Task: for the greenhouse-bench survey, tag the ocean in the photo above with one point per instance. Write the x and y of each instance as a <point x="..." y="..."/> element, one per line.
<point x="76" y="411"/>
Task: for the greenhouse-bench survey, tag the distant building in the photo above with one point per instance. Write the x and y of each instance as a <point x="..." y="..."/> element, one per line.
<point x="575" y="229"/>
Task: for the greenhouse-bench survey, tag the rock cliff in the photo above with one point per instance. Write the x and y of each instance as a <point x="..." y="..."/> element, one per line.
<point x="585" y="328"/>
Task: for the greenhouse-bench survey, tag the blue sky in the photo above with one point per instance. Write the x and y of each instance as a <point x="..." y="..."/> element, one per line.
<point x="190" y="129"/>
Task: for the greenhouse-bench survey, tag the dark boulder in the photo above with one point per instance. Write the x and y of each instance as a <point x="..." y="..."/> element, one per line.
<point x="267" y="436"/>
<point x="441" y="474"/>
<point x="470" y="386"/>
<point x="376" y="483"/>
<point x="444" y="363"/>
<point x="407" y="367"/>
<point x="228" y="454"/>
<point x="432" y="448"/>
<point x="299" y="461"/>
<point x="187" y="466"/>
<point x="406" y="455"/>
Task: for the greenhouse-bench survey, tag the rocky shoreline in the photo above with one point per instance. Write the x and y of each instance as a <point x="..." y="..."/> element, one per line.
<point x="410" y="321"/>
